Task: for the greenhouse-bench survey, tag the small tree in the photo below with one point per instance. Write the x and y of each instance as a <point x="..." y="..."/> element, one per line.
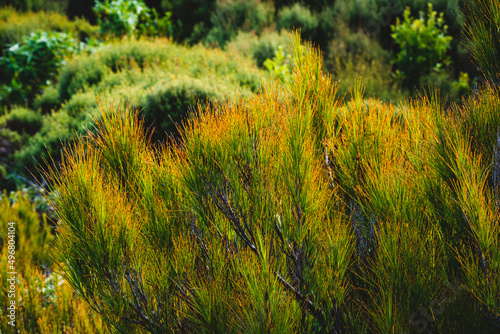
<point x="422" y="45"/>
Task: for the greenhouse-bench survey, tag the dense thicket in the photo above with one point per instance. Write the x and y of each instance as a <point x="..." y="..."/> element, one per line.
<point x="291" y="211"/>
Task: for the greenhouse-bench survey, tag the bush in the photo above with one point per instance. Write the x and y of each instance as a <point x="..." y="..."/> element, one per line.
<point x="28" y="67"/>
<point x="187" y="15"/>
<point x="279" y="66"/>
<point x="81" y="73"/>
<point x="259" y="47"/>
<point x="23" y="121"/>
<point x="289" y="212"/>
<point x="139" y="71"/>
<point x="422" y="43"/>
<point x="14" y="26"/>
<point x="80" y="104"/>
<point x="48" y="101"/>
<point x="37" y="5"/>
<point x="45" y="145"/>
<point x="298" y="17"/>
<point x="231" y="16"/>
<point x="168" y="103"/>
<point x="130" y="17"/>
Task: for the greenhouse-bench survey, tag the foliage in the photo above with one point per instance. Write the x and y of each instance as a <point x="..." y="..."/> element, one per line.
<point x="48" y="101"/>
<point x="278" y="67"/>
<point x="259" y="47"/>
<point x="37" y="5"/>
<point x="23" y="121"/>
<point x="29" y="66"/>
<point x="45" y="302"/>
<point x="353" y="57"/>
<point x="231" y="16"/>
<point x="298" y="17"/>
<point x="164" y="79"/>
<point x="15" y="26"/>
<point x="130" y="17"/>
<point x="32" y="232"/>
<point x="189" y="16"/>
<point x="289" y="211"/>
<point x="423" y="45"/>
<point x="482" y="34"/>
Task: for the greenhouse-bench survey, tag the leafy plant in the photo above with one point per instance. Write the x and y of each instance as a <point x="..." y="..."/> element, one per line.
<point x="28" y="67"/>
<point x="422" y="43"/>
<point x="130" y="17"/>
<point x="279" y="66"/>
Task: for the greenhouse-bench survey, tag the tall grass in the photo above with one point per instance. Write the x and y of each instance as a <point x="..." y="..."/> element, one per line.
<point x="289" y="211"/>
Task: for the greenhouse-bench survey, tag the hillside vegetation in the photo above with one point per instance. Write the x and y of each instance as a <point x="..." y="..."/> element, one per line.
<point x="213" y="174"/>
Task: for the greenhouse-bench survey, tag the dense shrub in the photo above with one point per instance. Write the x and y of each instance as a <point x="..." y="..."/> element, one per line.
<point x="290" y="211"/>
<point x="48" y="101"/>
<point x="231" y="16"/>
<point x="168" y="103"/>
<point x="80" y="105"/>
<point x="259" y="47"/>
<point x="130" y="17"/>
<point x="141" y="72"/>
<point x="316" y="5"/>
<point x="37" y="5"/>
<point x="45" y="145"/>
<point x="187" y="15"/>
<point x="353" y="57"/>
<point x="298" y="17"/>
<point x="423" y="45"/>
<point x="78" y="74"/>
<point x="14" y="26"/>
<point x="28" y="67"/>
<point x="23" y="121"/>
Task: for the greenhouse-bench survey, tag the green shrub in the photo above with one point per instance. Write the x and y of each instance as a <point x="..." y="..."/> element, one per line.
<point x="80" y="104"/>
<point x="422" y="43"/>
<point x="45" y="145"/>
<point x="298" y="17"/>
<point x="14" y="26"/>
<point x="189" y="15"/>
<point x="450" y="90"/>
<point x="167" y="104"/>
<point x="23" y="121"/>
<point x="130" y="17"/>
<point x="327" y="25"/>
<point x="138" y="71"/>
<point x="279" y="66"/>
<point x="355" y="57"/>
<point x="37" y="5"/>
<point x="28" y="67"/>
<point x="231" y="16"/>
<point x="348" y="43"/>
<point x="48" y="101"/>
<point x="259" y="47"/>
<point x="78" y="74"/>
